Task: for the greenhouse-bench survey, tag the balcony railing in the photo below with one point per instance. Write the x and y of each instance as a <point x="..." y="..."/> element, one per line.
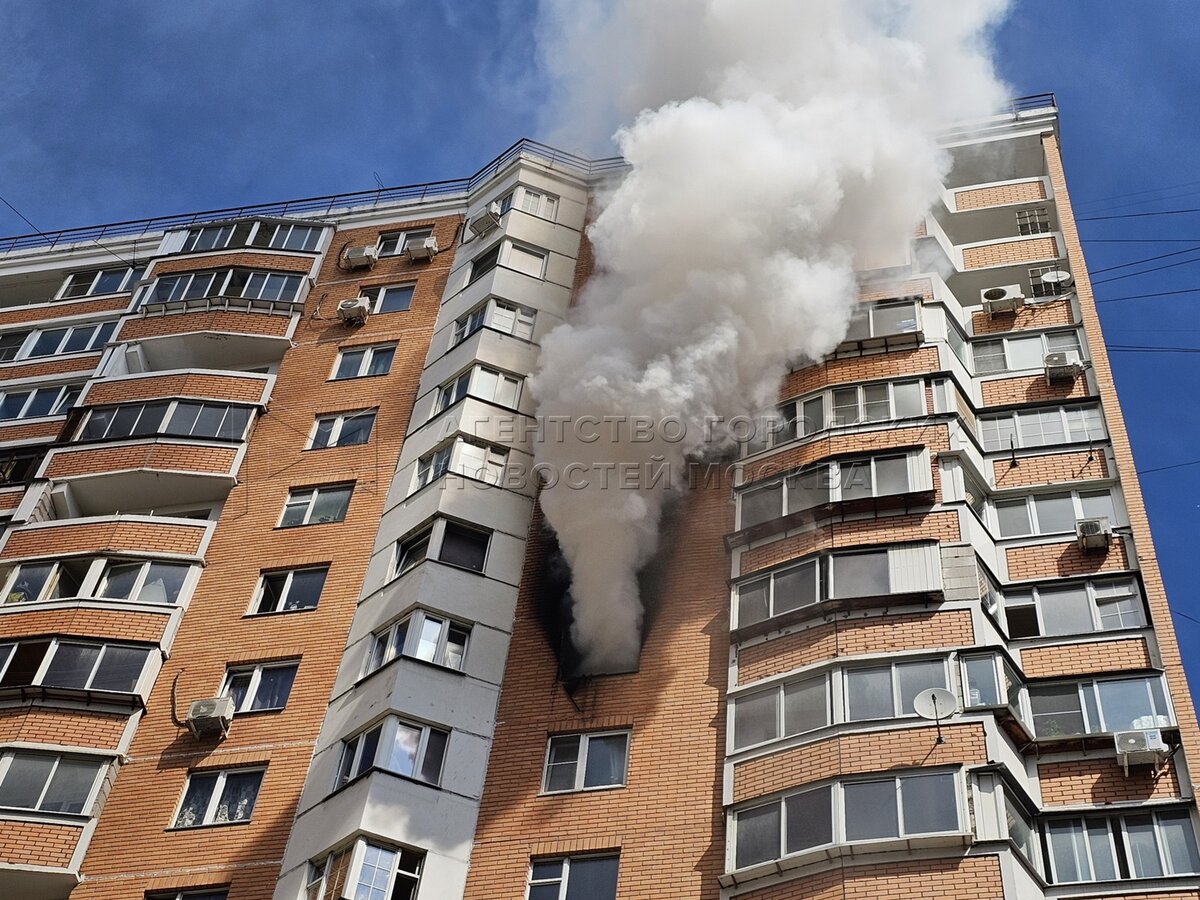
<point x="311" y="207"/>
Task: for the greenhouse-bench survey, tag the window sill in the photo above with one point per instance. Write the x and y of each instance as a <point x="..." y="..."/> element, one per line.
<point x="439" y="667"/>
<point x="208" y="825"/>
<point x="279" y="612"/>
<point x="308" y="524"/>
<point x="600" y="789"/>
<point x="87" y="696"/>
<point x="378" y="770"/>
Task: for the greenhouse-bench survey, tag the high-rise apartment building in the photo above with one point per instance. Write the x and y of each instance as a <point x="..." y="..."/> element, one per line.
<point x="281" y="618"/>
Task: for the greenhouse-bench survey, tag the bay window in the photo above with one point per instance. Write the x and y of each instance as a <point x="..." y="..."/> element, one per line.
<point x="482" y="382"/>
<point x="1042" y="427"/>
<point x="173" y="418"/>
<point x="1054" y="513"/>
<point x="1074" y="608"/>
<point x="397" y="746"/>
<point x="248" y="284"/>
<point x="1099" y="706"/>
<point x="499" y="315"/>
<point x="888" y="691"/>
<point x="420" y="635"/>
<point x="72" y="664"/>
<point x="847" y="811"/>
<point x="1022" y="351"/>
<point x="365" y="871"/>
<point x="781" y="710"/>
<point x="1149" y="844"/>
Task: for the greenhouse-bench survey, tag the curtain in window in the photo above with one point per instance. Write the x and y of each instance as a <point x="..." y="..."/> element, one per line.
<point x="237" y="800"/>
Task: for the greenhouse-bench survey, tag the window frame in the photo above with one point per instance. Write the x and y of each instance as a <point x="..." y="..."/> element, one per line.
<point x="7" y="754"/>
<point x="838" y="815"/>
<point x="1076" y="496"/>
<point x="399" y="240"/>
<point x="377" y="294"/>
<point x="893" y="666"/>
<point x="64" y="401"/>
<point x="255" y="671"/>
<point x="389" y="726"/>
<point x="101" y="333"/>
<point x="433" y="536"/>
<point x="214" y="799"/>
<point x="219" y="286"/>
<point x="1090" y="700"/>
<point x="93" y="581"/>
<point x="9" y="648"/>
<point x="1010" y="423"/>
<point x="1122" y="857"/>
<point x="289" y="579"/>
<point x="450" y="458"/>
<point x="467" y="384"/>
<point x="546" y="205"/>
<point x="1091" y="587"/>
<point x="581" y="761"/>
<point x="484" y="315"/>
<point x="383" y="650"/>
<point x="1006" y="341"/>
<point x="563" y="879"/>
<point x="314" y="494"/>
<point x="369" y="352"/>
<point x="127" y="282"/>
<point x="338" y="425"/>
<point x="172" y="407"/>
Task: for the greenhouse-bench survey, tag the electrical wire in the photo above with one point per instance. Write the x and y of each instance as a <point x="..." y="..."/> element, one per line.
<point x="1139" y="215"/>
<point x="41" y="233"/>
<point x="1158" y="190"/>
<point x="1138" y="262"/>
<point x="1155" y="294"/>
<point x="1146" y="271"/>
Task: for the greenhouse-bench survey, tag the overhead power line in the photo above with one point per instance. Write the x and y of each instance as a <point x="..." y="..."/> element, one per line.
<point x="1158" y="190"/>
<point x="43" y="234"/>
<point x="1139" y="215"/>
<point x="1146" y="296"/>
<point x="1185" y="262"/>
<point x="1146" y="259"/>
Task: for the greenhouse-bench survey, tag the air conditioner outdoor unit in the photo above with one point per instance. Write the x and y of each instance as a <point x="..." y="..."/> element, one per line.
<point x="1063" y="365"/>
<point x="210" y="716"/>
<point x="483" y="222"/>
<point x="354" y="311"/>
<point x="423" y="251"/>
<point x="1139" y="748"/>
<point x="1003" y="299"/>
<point x="361" y="257"/>
<point x="1093" y="534"/>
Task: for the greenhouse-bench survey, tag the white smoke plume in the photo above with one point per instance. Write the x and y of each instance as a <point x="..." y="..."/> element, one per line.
<point x="774" y="147"/>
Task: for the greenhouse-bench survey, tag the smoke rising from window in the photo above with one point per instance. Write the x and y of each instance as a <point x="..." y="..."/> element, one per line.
<point x="775" y="146"/>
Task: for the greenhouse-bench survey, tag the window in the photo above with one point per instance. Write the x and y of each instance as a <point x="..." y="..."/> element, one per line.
<point x="249" y="284"/>
<point x="421" y="635"/>
<point x="859" y="575"/>
<point x="834" y="482"/>
<point x="780" y="711"/>
<point x="893" y="808"/>
<point x="1098" y="707"/>
<point x="47" y="401"/>
<point x="17" y="467"/>
<point x="201" y="894"/>
<point x="1033" y="221"/>
<point x="1040" y="427"/>
<point x="316" y="506"/>
<point x="582" y="762"/>
<point x="881" y="319"/>
<point x="847" y="406"/>
<point x="100" y="281"/>
<point x="886" y="692"/>
<point x="142" y="582"/>
<point x="413" y="550"/>
<point x="11" y="344"/>
<point x="296" y="238"/>
<point x="1025" y="352"/>
<point x="1040" y="288"/>
<point x="464" y="547"/>
<point x="1020" y="830"/>
<point x="218" y="237"/>
<point x="485" y="262"/>
<point x="782" y="591"/>
<point x="219" y="797"/>
<point x="262" y="687"/>
<point x="990" y="681"/>
<point x="176" y="418"/>
<point x="290" y="589"/>
<point x="526" y="260"/>
<point x="1074" y="608"/>
<point x="499" y="315"/>
<point x="1119" y="847"/>
<point x="1051" y="513"/>
<point x="481" y="462"/>
<point x="536" y="203"/>
<point x="397" y="746"/>
<point x="79" y="339"/>
<point x="485" y="384"/>
<point x="381" y="874"/>
<point x="398" y="242"/>
<point x="345" y="430"/>
<point x="360" y="362"/>
<point x="50" y="580"/>
<point x="47" y="782"/>
<point x="459" y="546"/>
<point x="573" y="878"/>
<point x="390" y="298"/>
<point x="74" y="665"/>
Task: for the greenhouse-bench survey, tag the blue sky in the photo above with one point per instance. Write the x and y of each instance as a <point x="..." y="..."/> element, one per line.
<point x="120" y="110"/>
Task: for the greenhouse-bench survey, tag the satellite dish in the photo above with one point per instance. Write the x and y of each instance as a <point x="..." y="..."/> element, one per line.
<point x="935" y="703"/>
<point x="1057" y="277"/>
